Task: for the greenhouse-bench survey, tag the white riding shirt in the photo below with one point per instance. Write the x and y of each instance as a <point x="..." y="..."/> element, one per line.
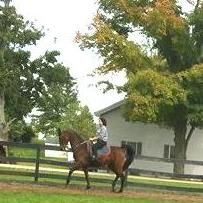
<point x="102" y="133"/>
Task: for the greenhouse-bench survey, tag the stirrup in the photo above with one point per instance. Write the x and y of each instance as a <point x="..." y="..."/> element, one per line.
<point x="94" y="157"/>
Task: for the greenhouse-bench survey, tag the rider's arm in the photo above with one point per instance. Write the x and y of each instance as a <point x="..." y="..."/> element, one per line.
<point x="93" y="138"/>
<point x="97" y="135"/>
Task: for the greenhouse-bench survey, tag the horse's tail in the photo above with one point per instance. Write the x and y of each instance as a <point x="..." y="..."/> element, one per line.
<point x="130" y="155"/>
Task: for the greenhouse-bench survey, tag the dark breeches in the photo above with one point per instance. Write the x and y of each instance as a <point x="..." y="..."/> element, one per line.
<point x="98" y="145"/>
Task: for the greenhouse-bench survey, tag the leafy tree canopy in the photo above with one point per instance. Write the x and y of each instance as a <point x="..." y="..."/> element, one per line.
<point x="72" y="116"/>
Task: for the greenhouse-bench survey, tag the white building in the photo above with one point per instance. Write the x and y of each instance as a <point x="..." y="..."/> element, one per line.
<point x="150" y="140"/>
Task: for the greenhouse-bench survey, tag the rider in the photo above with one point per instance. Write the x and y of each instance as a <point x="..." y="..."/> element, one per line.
<point x="101" y="137"/>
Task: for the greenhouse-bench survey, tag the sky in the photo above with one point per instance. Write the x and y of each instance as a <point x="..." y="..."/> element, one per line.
<point x="61" y="20"/>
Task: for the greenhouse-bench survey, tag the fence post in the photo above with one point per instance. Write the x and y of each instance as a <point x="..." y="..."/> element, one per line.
<point x="37" y="164"/>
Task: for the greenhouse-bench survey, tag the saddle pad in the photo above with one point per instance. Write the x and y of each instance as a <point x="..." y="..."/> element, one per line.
<point x="104" y="150"/>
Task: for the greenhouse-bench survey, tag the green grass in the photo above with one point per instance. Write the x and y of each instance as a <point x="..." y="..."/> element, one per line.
<point x="52" y="181"/>
<point x="31" y="153"/>
<point x="37" y="197"/>
<point x="165" y="182"/>
<point x="19" y="179"/>
<point x="23" y="152"/>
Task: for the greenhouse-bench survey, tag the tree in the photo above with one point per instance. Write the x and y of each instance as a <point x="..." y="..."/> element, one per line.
<point x="59" y="91"/>
<point x="21" y="132"/>
<point x="80" y="119"/>
<point x="164" y="86"/>
<point x="74" y="116"/>
<point x="28" y="134"/>
<point x="16" y="77"/>
<point x="26" y="83"/>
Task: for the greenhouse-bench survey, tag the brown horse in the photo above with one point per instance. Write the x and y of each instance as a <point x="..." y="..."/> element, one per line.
<point x="117" y="160"/>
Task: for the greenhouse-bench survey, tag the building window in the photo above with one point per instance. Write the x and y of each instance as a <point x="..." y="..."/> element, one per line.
<point x="137" y="146"/>
<point x="169" y="151"/>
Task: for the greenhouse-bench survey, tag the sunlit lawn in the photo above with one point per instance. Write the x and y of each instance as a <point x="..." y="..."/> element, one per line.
<point x="36" y="197"/>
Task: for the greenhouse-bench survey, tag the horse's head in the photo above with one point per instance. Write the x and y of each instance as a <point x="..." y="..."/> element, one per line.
<point x="64" y="138"/>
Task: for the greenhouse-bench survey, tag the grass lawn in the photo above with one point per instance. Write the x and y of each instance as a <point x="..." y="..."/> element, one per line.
<point x="23" y="152"/>
<point x="16" y="197"/>
<point x="19" y="189"/>
<point x="21" y="193"/>
<point x="167" y="183"/>
<point x="31" y="153"/>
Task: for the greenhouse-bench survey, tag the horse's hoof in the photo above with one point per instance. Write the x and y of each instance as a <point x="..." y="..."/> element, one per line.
<point x="67" y="184"/>
<point x="116" y="191"/>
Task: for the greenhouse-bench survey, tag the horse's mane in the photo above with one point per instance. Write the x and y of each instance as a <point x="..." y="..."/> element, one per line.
<point x="74" y="133"/>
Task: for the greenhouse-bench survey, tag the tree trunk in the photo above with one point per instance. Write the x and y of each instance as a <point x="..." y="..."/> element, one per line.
<point x="3" y="133"/>
<point x="3" y="128"/>
<point x="180" y="146"/>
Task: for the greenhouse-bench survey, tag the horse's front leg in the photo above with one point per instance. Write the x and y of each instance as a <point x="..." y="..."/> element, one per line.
<point x="87" y="178"/>
<point x="69" y="175"/>
<point x="73" y="168"/>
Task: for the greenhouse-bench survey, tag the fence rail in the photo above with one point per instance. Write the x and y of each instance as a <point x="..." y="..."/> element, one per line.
<point x="38" y="160"/>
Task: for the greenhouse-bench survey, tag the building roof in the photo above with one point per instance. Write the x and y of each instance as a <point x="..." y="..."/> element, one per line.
<point x="109" y="108"/>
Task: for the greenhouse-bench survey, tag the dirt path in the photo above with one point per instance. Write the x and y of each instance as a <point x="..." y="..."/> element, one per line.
<point x="161" y="196"/>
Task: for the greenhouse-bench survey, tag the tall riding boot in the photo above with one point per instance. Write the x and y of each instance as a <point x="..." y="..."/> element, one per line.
<point x="94" y="151"/>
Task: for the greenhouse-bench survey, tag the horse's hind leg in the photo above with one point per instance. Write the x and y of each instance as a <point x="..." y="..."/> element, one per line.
<point x="122" y="177"/>
<point x="87" y="178"/>
<point x="114" y="183"/>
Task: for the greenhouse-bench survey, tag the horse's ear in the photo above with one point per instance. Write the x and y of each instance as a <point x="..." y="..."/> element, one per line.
<point x="59" y="131"/>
